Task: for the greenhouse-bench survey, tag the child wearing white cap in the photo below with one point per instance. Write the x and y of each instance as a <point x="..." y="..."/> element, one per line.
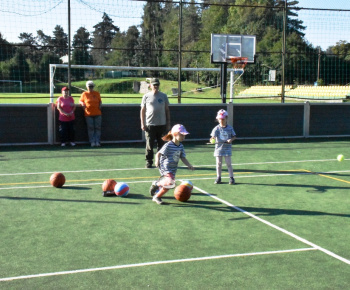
<point x="167" y="159"/>
<point x="223" y="135"/>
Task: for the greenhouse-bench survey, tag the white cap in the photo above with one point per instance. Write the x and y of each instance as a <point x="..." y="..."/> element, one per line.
<point x="222" y="114"/>
<point x="179" y="129"/>
<point x="90" y="84"/>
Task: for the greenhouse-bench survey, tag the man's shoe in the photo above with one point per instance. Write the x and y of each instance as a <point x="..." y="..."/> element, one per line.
<point x="232" y="181"/>
<point x="154" y="188"/>
<point x="218" y="180"/>
<point x="158" y="200"/>
<point x="148" y="165"/>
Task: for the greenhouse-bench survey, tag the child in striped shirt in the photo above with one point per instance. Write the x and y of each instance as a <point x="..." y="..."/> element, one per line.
<point x="223" y="134"/>
<point x="167" y="159"/>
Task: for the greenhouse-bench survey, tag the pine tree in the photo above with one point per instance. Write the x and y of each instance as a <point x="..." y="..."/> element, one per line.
<point x="81" y="44"/>
<point x="151" y="35"/>
<point x="102" y="38"/>
<point x="81" y="55"/>
<point x="59" y="41"/>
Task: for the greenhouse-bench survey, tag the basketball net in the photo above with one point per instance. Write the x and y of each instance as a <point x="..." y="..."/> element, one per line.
<point x="239" y="63"/>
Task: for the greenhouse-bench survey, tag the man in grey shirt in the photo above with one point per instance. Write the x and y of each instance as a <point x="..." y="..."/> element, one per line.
<point x="155" y="119"/>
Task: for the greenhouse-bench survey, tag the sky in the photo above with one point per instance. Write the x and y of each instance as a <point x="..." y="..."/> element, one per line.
<point x="324" y="28"/>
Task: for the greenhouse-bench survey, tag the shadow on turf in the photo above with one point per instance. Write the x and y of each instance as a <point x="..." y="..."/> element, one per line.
<point x="77" y="187"/>
<point x="312" y="188"/>
<point x="117" y="199"/>
<point x="259" y="211"/>
<point x="58" y="199"/>
<point x="205" y="204"/>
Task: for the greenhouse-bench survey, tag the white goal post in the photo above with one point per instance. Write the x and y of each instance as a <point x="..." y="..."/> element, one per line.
<point x="121" y="68"/>
<point x="9" y="81"/>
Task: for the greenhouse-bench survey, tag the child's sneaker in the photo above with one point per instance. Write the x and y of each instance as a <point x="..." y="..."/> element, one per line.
<point x="158" y="200"/>
<point x="63" y="144"/>
<point x="218" y="180"/>
<point x="72" y="144"/>
<point x="232" y="181"/>
<point x="154" y="188"/>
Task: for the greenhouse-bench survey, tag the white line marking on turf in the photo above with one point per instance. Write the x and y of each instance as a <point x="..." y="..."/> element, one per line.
<point x="199" y="178"/>
<point x="277" y="228"/>
<point x="154" y="263"/>
<point x="133" y="169"/>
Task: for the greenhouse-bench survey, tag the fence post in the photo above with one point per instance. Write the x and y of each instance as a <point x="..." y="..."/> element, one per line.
<point x="50" y="123"/>
<point x="230" y="114"/>
<point x="306" y="129"/>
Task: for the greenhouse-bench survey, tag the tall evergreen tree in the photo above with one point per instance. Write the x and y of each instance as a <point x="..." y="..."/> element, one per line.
<point x="81" y="54"/>
<point x="81" y="44"/>
<point x="151" y="34"/>
<point x="102" y="38"/>
<point x="171" y="38"/>
<point x="59" y="41"/>
<point x="191" y="31"/>
<point x="131" y="41"/>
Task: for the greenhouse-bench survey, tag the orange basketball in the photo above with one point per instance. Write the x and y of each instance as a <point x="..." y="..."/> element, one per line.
<point x="108" y="186"/>
<point x="57" y="179"/>
<point x="182" y="192"/>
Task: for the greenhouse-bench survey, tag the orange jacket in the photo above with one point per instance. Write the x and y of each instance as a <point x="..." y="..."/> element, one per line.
<point x="92" y="103"/>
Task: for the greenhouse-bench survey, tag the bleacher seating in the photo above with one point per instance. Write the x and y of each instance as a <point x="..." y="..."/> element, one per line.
<point x="319" y="92"/>
<point x="263" y="91"/>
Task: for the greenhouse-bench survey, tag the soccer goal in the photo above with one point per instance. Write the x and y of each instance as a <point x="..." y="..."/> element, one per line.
<point x="8" y="86"/>
<point x="81" y="73"/>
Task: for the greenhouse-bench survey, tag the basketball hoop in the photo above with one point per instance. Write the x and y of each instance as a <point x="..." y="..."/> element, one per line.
<point x="239" y="62"/>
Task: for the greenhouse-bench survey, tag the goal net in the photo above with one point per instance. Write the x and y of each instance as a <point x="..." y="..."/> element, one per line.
<point x="8" y="86"/>
<point x="120" y="83"/>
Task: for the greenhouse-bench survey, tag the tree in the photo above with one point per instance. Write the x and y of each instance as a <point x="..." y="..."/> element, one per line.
<point x="81" y="51"/>
<point x="30" y="47"/>
<point x="342" y="49"/>
<point x="151" y="34"/>
<point x="59" y="41"/>
<point x="118" y="54"/>
<point x="124" y="48"/>
<point x="19" y="67"/>
<point x="171" y="39"/>
<point x="6" y="51"/>
<point x="44" y="66"/>
<point x="102" y="38"/>
<point x="81" y="44"/>
<point x="191" y="30"/>
<point x="131" y="41"/>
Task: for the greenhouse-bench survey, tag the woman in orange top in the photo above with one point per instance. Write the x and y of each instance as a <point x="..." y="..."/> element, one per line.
<point x="91" y="103"/>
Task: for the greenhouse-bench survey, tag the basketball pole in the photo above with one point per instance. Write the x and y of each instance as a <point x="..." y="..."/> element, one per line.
<point x="223" y="80"/>
<point x="232" y="88"/>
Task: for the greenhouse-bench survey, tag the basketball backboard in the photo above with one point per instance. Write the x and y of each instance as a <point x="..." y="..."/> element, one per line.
<point x="224" y="46"/>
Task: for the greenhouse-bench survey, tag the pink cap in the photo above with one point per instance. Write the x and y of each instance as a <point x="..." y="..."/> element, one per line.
<point x="222" y="114"/>
<point x="65" y="89"/>
<point x="178" y="128"/>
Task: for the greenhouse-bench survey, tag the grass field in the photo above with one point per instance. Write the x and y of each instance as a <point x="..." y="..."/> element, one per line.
<point x="189" y="95"/>
<point x="284" y="225"/>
